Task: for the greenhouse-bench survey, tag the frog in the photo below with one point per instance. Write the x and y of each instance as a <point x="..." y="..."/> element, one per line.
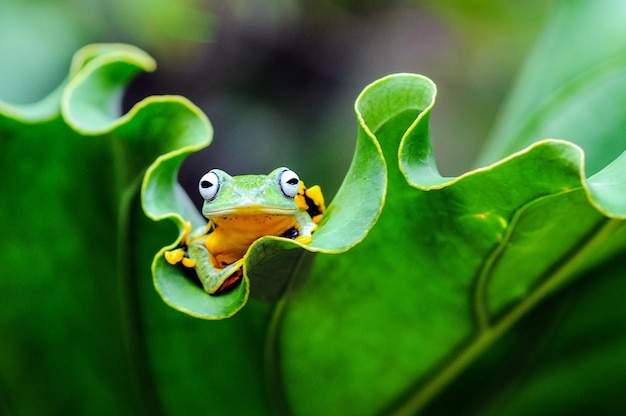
<point x="240" y="210"/>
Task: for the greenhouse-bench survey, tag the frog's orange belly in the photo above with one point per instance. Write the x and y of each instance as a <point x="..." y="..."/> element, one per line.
<point x="233" y="234"/>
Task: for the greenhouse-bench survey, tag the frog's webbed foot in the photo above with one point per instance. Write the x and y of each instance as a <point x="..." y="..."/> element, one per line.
<point x="303" y="238"/>
<point x="214" y="280"/>
<point x="180" y="254"/>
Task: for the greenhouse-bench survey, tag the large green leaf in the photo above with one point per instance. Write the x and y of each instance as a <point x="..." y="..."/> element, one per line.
<point x="440" y="283"/>
<point x="572" y="86"/>
<point x="451" y="265"/>
<point x="64" y="192"/>
<point x="83" y="329"/>
<point x="480" y="293"/>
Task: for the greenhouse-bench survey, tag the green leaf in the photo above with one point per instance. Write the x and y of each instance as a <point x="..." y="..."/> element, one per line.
<point x="271" y="262"/>
<point x="66" y="205"/>
<point x="452" y="264"/>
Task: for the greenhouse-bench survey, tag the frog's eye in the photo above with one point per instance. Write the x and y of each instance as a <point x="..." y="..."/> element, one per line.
<point x="289" y="183"/>
<point x="209" y="185"/>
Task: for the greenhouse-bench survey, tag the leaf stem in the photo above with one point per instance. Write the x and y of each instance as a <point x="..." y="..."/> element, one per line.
<point x="480" y="302"/>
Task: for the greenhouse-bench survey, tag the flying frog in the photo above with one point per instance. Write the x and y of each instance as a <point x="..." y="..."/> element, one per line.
<point x="240" y="210"/>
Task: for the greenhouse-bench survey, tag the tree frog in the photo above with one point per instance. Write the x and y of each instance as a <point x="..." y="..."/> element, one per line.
<point x="240" y="210"/>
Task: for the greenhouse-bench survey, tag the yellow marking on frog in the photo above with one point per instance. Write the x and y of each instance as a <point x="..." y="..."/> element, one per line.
<point x="304" y="239"/>
<point x="311" y="200"/>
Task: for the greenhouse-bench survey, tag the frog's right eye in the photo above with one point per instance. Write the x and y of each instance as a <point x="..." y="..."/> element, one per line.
<point x="209" y="186"/>
<point x="289" y="183"/>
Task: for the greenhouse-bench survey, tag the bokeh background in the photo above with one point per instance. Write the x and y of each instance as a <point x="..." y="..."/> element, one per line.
<point x="278" y="79"/>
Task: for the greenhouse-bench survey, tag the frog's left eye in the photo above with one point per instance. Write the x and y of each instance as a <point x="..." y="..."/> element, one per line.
<point x="209" y="185"/>
<point x="289" y="183"/>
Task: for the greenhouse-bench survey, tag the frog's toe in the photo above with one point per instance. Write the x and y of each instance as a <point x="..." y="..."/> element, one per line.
<point x="304" y="239"/>
<point x="187" y="262"/>
<point x="175" y="256"/>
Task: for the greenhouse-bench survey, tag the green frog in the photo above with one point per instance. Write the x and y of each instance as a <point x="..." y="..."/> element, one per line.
<point x="240" y="210"/>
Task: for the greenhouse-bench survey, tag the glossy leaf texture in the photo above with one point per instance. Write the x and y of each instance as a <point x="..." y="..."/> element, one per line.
<point x="451" y="266"/>
<point x="83" y="329"/>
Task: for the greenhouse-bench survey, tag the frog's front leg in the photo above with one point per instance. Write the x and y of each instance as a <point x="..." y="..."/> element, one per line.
<point x="213" y="280"/>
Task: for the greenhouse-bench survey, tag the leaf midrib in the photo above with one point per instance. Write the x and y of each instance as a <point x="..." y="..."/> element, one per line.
<point x="480" y="303"/>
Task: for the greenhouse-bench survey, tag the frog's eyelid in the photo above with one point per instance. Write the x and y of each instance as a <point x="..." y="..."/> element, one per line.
<point x="289" y="183"/>
<point x="209" y="185"/>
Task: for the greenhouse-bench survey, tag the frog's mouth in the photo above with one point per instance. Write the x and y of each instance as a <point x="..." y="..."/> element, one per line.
<point x="252" y="211"/>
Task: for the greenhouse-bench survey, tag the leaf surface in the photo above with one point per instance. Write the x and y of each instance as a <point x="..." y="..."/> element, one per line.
<point x="452" y="264"/>
<point x="66" y="191"/>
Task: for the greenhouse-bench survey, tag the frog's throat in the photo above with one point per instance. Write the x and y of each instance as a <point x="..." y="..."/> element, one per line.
<point x="233" y="234"/>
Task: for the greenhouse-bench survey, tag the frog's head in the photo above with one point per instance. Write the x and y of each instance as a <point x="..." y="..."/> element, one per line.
<point x="225" y="195"/>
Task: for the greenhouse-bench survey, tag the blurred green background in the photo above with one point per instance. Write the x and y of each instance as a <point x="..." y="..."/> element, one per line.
<point x="278" y="79"/>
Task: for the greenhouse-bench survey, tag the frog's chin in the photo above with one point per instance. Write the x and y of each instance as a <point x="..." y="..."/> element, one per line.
<point x="251" y="211"/>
